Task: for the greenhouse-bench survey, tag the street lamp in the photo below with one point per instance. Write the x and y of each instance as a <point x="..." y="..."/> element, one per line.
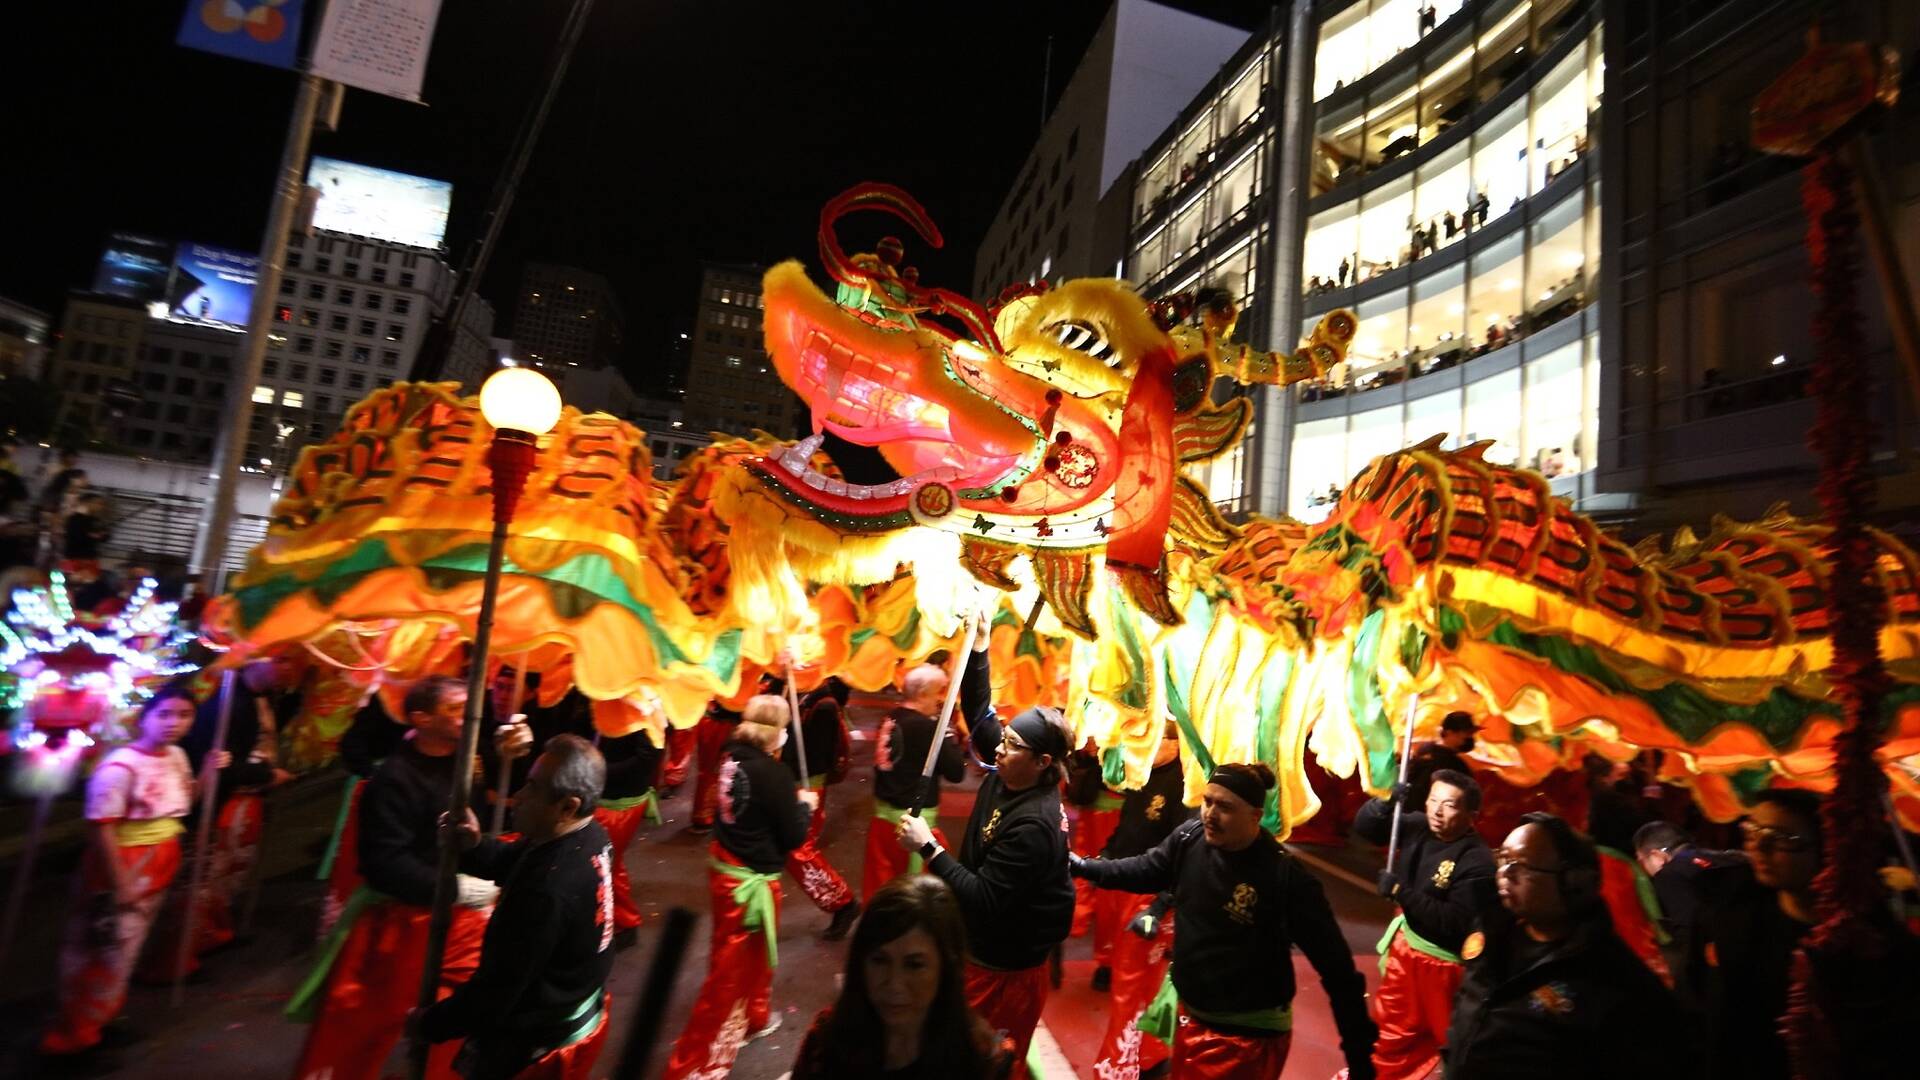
<point x="521" y="405"/>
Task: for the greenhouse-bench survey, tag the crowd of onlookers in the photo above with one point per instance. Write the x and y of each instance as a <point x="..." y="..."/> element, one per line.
<point x="50" y="518"/>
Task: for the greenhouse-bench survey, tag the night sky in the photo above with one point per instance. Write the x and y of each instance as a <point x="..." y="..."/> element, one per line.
<point x="686" y="130"/>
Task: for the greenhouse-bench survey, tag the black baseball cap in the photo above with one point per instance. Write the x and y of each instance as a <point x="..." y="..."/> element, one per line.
<point x="1459" y="721"/>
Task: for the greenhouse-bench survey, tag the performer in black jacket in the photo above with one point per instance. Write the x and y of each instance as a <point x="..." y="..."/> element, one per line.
<point x="899" y="755"/>
<point x="1137" y="924"/>
<point x="1243" y="905"/>
<point x="366" y="985"/>
<point x="823" y="726"/>
<point x="633" y="767"/>
<point x="1011" y="876"/>
<point x="1550" y="989"/>
<point x="538" y="999"/>
<point x="1443" y="881"/>
<point x="760" y="818"/>
<point x="1690" y="882"/>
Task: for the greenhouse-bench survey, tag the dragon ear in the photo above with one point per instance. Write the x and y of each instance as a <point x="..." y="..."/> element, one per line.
<point x="1191" y="381"/>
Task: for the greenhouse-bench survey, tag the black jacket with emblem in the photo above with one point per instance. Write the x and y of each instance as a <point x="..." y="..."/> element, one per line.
<point x="1240" y="914"/>
<point x="1445" y="886"/>
<point x="761" y="819"/>
<point x="1149" y="815"/>
<point x="1583" y="1008"/>
<point x="1011" y="877"/>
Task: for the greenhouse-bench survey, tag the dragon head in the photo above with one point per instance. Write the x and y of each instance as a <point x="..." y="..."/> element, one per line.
<point x="1055" y="426"/>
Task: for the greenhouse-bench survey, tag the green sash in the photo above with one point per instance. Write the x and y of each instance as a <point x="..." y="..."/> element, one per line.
<point x="1108" y="800"/>
<point x="893" y="815"/>
<point x="1162" y="1017"/>
<point x="1420" y="944"/>
<point x="339" y="826"/>
<point x="754" y="893"/>
<point x="648" y="798"/>
<point x="305" y="1003"/>
<point x="589" y="1016"/>
<point x="1278" y="1019"/>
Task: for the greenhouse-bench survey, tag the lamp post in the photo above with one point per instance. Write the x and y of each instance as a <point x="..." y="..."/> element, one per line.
<point x="521" y="405"/>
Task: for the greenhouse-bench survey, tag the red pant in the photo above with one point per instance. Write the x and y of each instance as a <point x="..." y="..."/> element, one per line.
<point x="622" y="826"/>
<point x="573" y="1061"/>
<point x="234" y="845"/>
<point x="673" y="771"/>
<point x="886" y="859"/>
<point x="1413" y="1007"/>
<point x="375" y="980"/>
<point x="1091" y="832"/>
<point x="344" y="876"/>
<point x="733" y="999"/>
<point x="809" y="868"/>
<point x="1201" y="1053"/>
<point x="1139" y="966"/>
<point x="710" y="739"/>
<point x="1010" y="1002"/>
<point x="103" y="941"/>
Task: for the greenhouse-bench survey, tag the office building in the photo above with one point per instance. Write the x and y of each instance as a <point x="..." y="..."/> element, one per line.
<point x="182" y="374"/>
<point x="566" y="316"/>
<point x="93" y="364"/>
<point x="474" y="353"/>
<point x="1145" y="63"/>
<point x="731" y="384"/>
<point x="24" y="335"/>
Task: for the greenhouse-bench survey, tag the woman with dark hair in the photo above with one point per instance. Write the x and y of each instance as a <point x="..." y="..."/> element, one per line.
<point x="903" y="1005"/>
<point x="136" y="799"/>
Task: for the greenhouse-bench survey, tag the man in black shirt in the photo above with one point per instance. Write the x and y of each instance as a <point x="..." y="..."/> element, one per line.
<point x="628" y="799"/>
<point x="1689" y="882"/>
<point x="1136" y="924"/>
<point x="1011" y="877"/>
<point x="823" y="727"/>
<point x="1442" y="879"/>
<point x="538" y="998"/>
<point x="1551" y="990"/>
<point x="369" y="973"/>
<point x="1447" y="752"/>
<point x="1243" y="905"/>
<point x="899" y="754"/>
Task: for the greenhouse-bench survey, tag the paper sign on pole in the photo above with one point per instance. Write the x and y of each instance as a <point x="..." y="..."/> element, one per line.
<point x="377" y="45"/>
<point x="263" y="32"/>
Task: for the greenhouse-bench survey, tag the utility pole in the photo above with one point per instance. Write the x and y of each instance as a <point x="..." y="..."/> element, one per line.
<point x="216" y="523"/>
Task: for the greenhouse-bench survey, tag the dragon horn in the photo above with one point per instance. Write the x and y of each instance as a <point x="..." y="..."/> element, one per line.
<point x="891" y="200"/>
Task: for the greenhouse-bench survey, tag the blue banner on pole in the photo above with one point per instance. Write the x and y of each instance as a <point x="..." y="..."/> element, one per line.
<point x="263" y="31"/>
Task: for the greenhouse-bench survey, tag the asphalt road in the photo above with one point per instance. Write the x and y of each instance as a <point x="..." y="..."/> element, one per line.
<point x="230" y="1024"/>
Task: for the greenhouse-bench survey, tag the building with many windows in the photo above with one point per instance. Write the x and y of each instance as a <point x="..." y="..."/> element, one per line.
<point x="731" y="384"/>
<point x="1143" y="64"/>
<point x="564" y="315"/>
<point x="99" y="343"/>
<point x="24" y="336"/>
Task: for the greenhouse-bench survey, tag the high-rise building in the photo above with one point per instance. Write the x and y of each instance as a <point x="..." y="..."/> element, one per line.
<point x="564" y="315"/>
<point x="24" y="335"/>
<point x="731" y="384"/>
<point x="183" y="371"/>
<point x="93" y="363"/>
<point x="1145" y="63"/>
<point x="473" y="355"/>
<point x="1614" y="294"/>
<point x="352" y="313"/>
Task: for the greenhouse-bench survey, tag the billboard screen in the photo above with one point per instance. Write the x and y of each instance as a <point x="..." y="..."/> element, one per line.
<point x="134" y="267"/>
<point x="377" y="203"/>
<point x="212" y="284"/>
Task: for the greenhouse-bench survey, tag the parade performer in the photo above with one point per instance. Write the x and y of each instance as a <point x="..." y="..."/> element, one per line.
<point x="1138" y="925"/>
<point x="711" y="735"/>
<point x="1690" y="882"/>
<point x="536" y="1007"/>
<point x="369" y="973"/>
<point x="1096" y="812"/>
<point x="135" y="800"/>
<point x="1243" y="905"/>
<point x="1442" y="879"/>
<point x="626" y="800"/>
<point x="373" y="737"/>
<point x="1011" y="875"/>
<point x="902" y="1010"/>
<point x="823" y="726"/>
<point x="1550" y="989"/>
<point x="899" y="755"/>
<point x="761" y="819"/>
<point x="1447" y="752"/>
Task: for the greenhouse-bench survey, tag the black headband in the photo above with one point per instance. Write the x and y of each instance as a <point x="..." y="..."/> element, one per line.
<point x="1037" y="729"/>
<point x="1242" y="783"/>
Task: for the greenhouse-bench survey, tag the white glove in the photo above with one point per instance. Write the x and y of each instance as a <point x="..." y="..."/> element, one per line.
<point x="475" y="892"/>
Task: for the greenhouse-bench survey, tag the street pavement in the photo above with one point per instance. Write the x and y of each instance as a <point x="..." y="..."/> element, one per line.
<point x="229" y="1024"/>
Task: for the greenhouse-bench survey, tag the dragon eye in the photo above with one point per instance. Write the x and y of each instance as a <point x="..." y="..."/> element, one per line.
<point x="1086" y="338"/>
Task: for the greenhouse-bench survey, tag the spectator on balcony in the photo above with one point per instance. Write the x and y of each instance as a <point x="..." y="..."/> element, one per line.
<point x="1346" y="271"/>
<point x="1714" y="386"/>
<point x="1427" y="18"/>
<point x="1451" y="224"/>
<point x="1478" y="209"/>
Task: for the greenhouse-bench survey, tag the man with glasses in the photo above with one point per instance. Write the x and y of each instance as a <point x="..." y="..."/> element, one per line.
<point x="1752" y="937"/>
<point x="1550" y="989"/>
<point x="1011" y="876"/>
<point x="1689" y="882"/>
<point x="1442" y="879"/>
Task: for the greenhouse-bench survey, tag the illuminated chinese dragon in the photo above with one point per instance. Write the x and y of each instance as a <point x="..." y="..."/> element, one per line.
<point x="1039" y="447"/>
